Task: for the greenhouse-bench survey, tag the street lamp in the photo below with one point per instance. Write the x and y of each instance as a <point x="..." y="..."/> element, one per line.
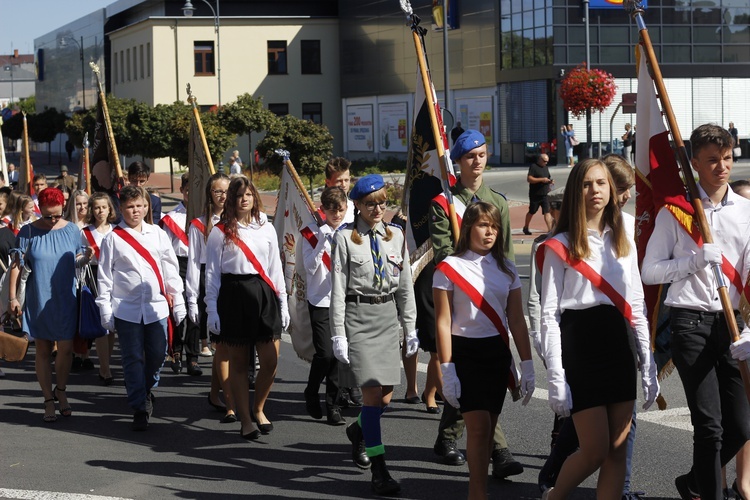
<point x="83" y="69"/>
<point x="188" y="11"/>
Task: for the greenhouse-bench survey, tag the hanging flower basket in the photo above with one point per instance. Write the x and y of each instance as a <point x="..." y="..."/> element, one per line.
<point x="583" y="89"/>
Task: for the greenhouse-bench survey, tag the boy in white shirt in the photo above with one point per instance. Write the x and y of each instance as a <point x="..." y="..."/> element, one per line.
<point x="138" y="281"/>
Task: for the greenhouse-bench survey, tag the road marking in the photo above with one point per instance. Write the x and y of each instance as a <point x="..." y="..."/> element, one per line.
<point x="51" y="495"/>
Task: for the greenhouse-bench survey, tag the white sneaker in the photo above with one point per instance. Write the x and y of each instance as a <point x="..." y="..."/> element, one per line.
<point x="206" y="352"/>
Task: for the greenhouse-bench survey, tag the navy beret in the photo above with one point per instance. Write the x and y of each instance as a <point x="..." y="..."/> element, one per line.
<point x="466" y="142"/>
<point x="366" y="185"/>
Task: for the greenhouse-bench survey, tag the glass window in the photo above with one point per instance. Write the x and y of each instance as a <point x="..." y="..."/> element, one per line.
<point x="142" y="63"/>
<point x="204" y="58"/>
<point x="528" y="19"/>
<point x="615" y="34"/>
<point x="706" y="53"/>
<point x="114" y="68"/>
<point x="528" y="48"/>
<point x="516" y="22"/>
<point x="736" y="34"/>
<point x="560" y="55"/>
<point x="128" y="63"/>
<point x="706" y="34"/>
<point x="576" y="34"/>
<point x="676" y="34"/>
<point x="148" y="59"/>
<point x="558" y="16"/>
<point x="739" y="54"/>
<point x="135" y="64"/>
<point x="279" y="109"/>
<point x="277" y="57"/>
<point x="505" y="24"/>
<point x="540" y="18"/>
<point x="654" y="33"/>
<point x="312" y="111"/>
<point x="310" y="57"/>
<point x="675" y="54"/>
<point x="576" y="54"/>
<point x="616" y="55"/>
<point x="704" y="15"/>
<point x="122" y="66"/>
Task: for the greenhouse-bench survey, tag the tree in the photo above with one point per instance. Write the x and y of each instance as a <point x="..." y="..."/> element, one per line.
<point x="310" y="145"/>
<point x="246" y="115"/>
<point x="44" y="127"/>
<point x="13" y="127"/>
<point x="218" y="138"/>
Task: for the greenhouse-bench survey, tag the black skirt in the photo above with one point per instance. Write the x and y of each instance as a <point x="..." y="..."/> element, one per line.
<point x="425" y="309"/>
<point x="248" y="310"/>
<point x="483" y="368"/>
<point x="598" y="354"/>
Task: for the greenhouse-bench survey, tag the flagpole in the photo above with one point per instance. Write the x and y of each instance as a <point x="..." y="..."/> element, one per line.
<point x="197" y="115"/>
<point x="108" y="124"/>
<point x="85" y="170"/>
<point x="29" y="188"/>
<point x="3" y="161"/>
<point x="636" y="11"/>
<point x="300" y="186"/>
<point x="418" y="34"/>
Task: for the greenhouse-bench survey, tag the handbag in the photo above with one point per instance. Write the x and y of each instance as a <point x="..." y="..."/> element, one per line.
<point x="737" y="152"/>
<point x="574" y="141"/>
<point x="89" y="318"/>
<point x="13" y="343"/>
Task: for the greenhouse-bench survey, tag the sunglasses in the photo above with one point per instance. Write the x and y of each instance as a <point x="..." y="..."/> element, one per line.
<point x="53" y="218"/>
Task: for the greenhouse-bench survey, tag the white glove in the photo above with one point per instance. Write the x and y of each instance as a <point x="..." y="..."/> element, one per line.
<point x="536" y="340"/>
<point x="560" y="399"/>
<point x="711" y="254"/>
<point x="527" y="380"/>
<point x="341" y="348"/>
<point x="649" y="382"/>
<point x="214" y="325"/>
<point x="451" y="384"/>
<point x="108" y="323"/>
<point x="412" y="344"/>
<point x="741" y="349"/>
<point x="193" y="313"/>
<point x="285" y="318"/>
<point x="179" y="312"/>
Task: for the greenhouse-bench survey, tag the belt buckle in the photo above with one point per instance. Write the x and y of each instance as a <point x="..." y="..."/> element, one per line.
<point x="377" y="300"/>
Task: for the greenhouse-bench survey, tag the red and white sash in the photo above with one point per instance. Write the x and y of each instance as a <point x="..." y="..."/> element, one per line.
<point x="457" y="204"/>
<point x="313" y="241"/>
<point x="470" y="281"/>
<point x="92" y="242"/>
<point x="199" y="225"/>
<point x="170" y="223"/>
<point x="587" y="272"/>
<point x="251" y="257"/>
<point x="129" y="239"/>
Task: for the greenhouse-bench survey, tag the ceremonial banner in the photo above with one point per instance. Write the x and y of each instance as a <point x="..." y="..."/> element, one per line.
<point x="292" y="215"/>
<point x="657" y="184"/>
<point x="103" y="172"/>
<point x="3" y="163"/>
<point x="26" y="172"/>
<point x="199" y="171"/>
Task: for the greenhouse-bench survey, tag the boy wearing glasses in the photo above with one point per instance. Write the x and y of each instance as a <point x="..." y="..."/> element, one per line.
<point x="540" y="182"/>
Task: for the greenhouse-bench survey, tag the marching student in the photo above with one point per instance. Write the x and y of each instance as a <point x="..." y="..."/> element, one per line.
<point x="101" y="216"/>
<point x="470" y="154"/>
<point x="316" y="258"/>
<point x="186" y="334"/>
<point x="338" y="175"/>
<point x="590" y="278"/>
<point x="139" y="280"/>
<point x="700" y="342"/>
<point x="477" y="301"/>
<point x="371" y="289"/>
<point x="195" y="284"/>
<point x="246" y="300"/>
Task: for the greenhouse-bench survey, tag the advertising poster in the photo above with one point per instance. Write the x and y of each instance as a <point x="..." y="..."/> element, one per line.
<point x="393" y="117"/>
<point x="610" y="4"/>
<point x="359" y="133"/>
<point x="476" y="113"/>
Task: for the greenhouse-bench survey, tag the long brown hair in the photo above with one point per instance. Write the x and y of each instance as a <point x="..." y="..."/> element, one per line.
<point x="229" y="216"/>
<point x="101" y="195"/>
<point x="208" y="209"/>
<point x="475" y="213"/>
<point x="378" y="196"/>
<point x="573" y="213"/>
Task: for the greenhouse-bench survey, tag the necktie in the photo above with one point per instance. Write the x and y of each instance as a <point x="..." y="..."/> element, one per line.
<point x="377" y="259"/>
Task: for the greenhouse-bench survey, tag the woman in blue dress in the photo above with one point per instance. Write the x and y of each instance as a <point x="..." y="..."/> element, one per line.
<point x="51" y="247"/>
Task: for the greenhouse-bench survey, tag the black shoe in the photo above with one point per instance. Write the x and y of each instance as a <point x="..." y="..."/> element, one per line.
<point x="250" y="436"/>
<point x="150" y="403"/>
<point x="264" y="428"/>
<point x="504" y="465"/>
<point x="312" y="405"/>
<point x="526" y="231"/>
<point x="683" y="484"/>
<point x="107" y="380"/>
<point x="176" y="363"/>
<point x="728" y="494"/>
<point x="140" y="421"/>
<point x="382" y="482"/>
<point x="194" y="370"/>
<point x="359" y="455"/>
<point x="229" y="418"/>
<point x="449" y="452"/>
<point x="77" y="364"/>
<point x="333" y="416"/>
<point x="347" y="400"/>
<point x="87" y="364"/>
<point x="435" y="410"/>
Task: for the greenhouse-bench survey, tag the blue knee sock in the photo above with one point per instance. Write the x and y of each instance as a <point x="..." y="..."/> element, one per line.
<point x="369" y="420"/>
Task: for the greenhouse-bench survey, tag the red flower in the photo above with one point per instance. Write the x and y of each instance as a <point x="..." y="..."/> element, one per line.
<point x="583" y="89"/>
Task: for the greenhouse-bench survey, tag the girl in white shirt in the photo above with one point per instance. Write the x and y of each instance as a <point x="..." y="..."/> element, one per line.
<point x="472" y="342"/>
<point x="195" y="286"/>
<point x="246" y="302"/>
<point x="587" y="342"/>
<point x="101" y="215"/>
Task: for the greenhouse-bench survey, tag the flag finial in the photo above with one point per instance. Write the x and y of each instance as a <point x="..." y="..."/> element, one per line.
<point x="283" y="153"/>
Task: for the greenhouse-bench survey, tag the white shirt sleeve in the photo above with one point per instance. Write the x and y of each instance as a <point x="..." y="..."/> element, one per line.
<point x="104" y="278"/>
<point x="171" y="269"/>
<point x="196" y="245"/>
<point x="214" y="251"/>
<point x="553" y="276"/>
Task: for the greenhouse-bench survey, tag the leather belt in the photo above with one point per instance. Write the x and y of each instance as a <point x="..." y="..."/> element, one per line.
<point x="366" y="299"/>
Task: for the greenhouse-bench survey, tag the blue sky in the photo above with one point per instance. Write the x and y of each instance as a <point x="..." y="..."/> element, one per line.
<point x="24" y="20"/>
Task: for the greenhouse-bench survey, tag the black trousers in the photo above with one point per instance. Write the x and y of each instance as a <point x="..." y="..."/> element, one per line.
<point x="186" y="334"/>
<point x="719" y="409"/>
<point x="324" y="363"/>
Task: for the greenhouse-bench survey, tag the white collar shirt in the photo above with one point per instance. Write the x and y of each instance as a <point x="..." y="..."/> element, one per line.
<point x="196" y="258"/>
<point x="317" y="275"/>
<point x="179" y="217"/>
<point x="98" y="238"/>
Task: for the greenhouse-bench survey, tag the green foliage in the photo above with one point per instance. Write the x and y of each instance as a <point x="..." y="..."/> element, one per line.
<point x="390" y="164"/>
<point x="28" y="105"/>
<point x="44" y="126"/>
<point x="310" y="145"/>
<point x="266" y="181"/>
<point x="78" y="124"/>
<point x="246" y="115"/>
<point x="13" y="127"/>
